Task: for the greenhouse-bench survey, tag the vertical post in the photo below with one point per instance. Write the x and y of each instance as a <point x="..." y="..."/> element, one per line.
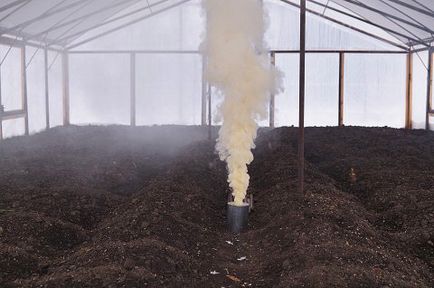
<point x="133" y="89"/>
<point x="272" y="96"/>
<point x="341" y="88"/>
<point x="429" y="87"/>
<point x="1" y="107"/>
<point x="47" y="96"/>
<point x="209" y="112"/>
<point x="302" y="83"/>
<point x="24" y="90"/>
<point x="65" y="72"/>
<point x="204" y="90"/>
<point x="409" y="92"/>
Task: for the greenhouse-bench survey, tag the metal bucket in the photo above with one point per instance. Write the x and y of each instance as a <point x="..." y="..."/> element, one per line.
<point x="238" y="217"/>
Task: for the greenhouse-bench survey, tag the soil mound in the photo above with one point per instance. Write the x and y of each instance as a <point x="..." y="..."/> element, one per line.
<point x="145" y="207"/>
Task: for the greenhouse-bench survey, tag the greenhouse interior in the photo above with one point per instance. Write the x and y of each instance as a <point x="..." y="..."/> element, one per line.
<point x="216" y="143"/>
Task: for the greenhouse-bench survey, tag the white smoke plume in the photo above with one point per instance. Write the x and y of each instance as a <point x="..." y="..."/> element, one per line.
<point x="238" y="66"/>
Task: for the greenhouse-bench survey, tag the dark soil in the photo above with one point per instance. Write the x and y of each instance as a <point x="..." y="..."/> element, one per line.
<point x="145" y="207"/>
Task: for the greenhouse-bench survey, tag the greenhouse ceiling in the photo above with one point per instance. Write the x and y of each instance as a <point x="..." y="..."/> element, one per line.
<point x="64" y="24"/>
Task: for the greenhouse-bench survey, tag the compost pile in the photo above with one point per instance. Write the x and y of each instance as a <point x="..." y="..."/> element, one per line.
<point x="145" y="207"/>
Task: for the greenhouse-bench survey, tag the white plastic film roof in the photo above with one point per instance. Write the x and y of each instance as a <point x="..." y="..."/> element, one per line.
<point x="61" y="22"/>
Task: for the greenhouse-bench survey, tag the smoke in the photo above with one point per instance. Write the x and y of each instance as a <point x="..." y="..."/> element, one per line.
<point x="238" y="66"/>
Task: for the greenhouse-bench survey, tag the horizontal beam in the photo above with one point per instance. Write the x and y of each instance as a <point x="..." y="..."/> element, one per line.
<point x="420" y="50"/>
<point x="134" y="51"/>
<point x="11" y="42"/>
<point x="13" y="114"/>
<point x="342" y="51"/>
<point x="22" y="43"/>
<point x="198" y="52"/>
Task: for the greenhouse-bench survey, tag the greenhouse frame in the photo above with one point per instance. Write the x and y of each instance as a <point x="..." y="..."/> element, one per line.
<point x="63" y="27"/>
<point x="216" y="143"/>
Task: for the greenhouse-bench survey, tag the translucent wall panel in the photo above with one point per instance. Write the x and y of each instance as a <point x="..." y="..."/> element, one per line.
<point x="420" y="78"/>
<point x="35" y="89"/>
<point x="283" y="26"/>
<point x="322" y="75"/>
<point x="99" y="89"/>
<point x="55" y="89"/>
<point x="11" y="78"/>
<point x="168" y="89"/>
<point x="14" y="127"/>
<point x="286" y="103"/>
<point x="375" y="90"/>
<point x="321" y="101"/>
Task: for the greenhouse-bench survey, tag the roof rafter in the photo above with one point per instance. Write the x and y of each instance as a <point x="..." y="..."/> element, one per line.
<point x="392" y="32"/>
<point x="406" y="15"/>
<point x="64" y="22"/>
<point x="348" y="26"/>
<point x="420" y="10"/>
<point x="15" y="10"/>
<point x="388" y="15"/>
<point x="82" y="32"/>
<point x="11" y="5"/>
<point x="128" y="24"/>
<point x="423" y="6"/>
<point x="52" y="11"/>
<point x="402" y="24"/>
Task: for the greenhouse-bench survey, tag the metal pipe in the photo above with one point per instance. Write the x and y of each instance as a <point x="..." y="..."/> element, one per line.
<point x="203" y="96"/>
<point x="398" y="52"/>
<point x="209" y="112"/>
<point x="24" y="90"/>
<point x="47" y="91"/>
<point x="65" y="82"/>
<point x="133" y="89"/>
<point x="429" y="87"/>
<point x="1" y="106"/>
<point x="302" y="83"/>
<point x="272" y="96"/>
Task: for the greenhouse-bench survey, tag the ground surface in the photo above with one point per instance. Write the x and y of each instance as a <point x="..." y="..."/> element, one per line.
<point x="144" y="207"/>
